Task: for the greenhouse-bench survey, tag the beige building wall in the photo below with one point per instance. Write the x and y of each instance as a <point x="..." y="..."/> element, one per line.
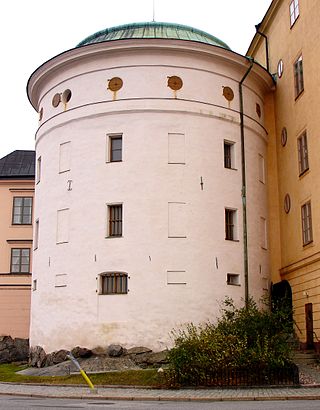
<point x="299" y="263"/>
<point x="14" y="286"/>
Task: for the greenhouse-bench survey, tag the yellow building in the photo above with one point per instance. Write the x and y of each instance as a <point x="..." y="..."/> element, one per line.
<point x="17" y="174"/>
<point x="286" y="42"/>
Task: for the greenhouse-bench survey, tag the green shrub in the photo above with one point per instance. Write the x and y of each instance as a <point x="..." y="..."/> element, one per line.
<point x="241" y="338"/>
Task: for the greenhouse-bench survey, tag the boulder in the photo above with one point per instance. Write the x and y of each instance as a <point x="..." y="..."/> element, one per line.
<point x="81" y="352"/>
<point x="56" y="357"/>
<point x="115" y="351"/>
<point x="13" y="350"/>
<point x="37" y="357"/>
<point x="138" y="350"/>
<point x="21" y="350"/>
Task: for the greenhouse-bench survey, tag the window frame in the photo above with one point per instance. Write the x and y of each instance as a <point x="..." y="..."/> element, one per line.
<point x="231" y="277"/>
<point x="38" y="173"/>
<point x="20" y="264"/>
<point x="298" y="76"/>
<point x="115" y="222"/>
<point x="111" y="150"/>
<point x="229" y="154"/>
<point x="306" y="223"/>
<point x="113" y="283"/>
<point x="14" y="206"/>
<point x="294" y="11"/>
<point x="303" y="154"/>
<point x="230" y="224"/>
<point x="36" y="234"/>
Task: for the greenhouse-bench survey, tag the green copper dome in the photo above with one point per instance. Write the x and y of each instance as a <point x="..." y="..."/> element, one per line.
<point x="153" y="30"/>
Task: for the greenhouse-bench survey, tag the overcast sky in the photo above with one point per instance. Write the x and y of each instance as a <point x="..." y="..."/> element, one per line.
<point x="33" y="31"/>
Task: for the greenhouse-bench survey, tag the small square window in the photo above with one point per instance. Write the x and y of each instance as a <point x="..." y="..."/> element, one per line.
<point x="113" y="283"/>
<point x="115" y="220"/>
<point x="306" y="219"/>
<point x="22" y="210"/>
<point x="229" y="160"/>
<point x="20" y="260"/>
<point x="115" y="148"/>
<point x="294" y="11"/>
<point x="233" y="279"/>
<point x="38" y="170"/>
<point x="298" y="77"/>
<point x="230" y="224"/>
<point x="303" y="153"/>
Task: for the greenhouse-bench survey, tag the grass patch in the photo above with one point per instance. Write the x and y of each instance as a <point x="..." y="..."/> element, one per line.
<point x="148" y="377"/>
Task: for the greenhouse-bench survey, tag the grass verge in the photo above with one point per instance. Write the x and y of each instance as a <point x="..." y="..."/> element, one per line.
<point x="148" y="377"/>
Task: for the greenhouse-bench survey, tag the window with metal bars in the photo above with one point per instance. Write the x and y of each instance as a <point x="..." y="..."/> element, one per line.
<point x="294" y="11"/>
<point x="22" y="210"/>
<point x="230" y="219"/>
<point x="115" y="148"/>
<point x="303" y="153"/>
<point x="114" y="283"/>
<point x="115" y="220"/>
<point x="298" y="77"/>
<point x="306" y="220"/>
<point x="20" y="260"/>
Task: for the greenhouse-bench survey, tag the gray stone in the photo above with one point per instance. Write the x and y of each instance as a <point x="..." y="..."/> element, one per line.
<point x="115" y="350"/>
<point x="138" y="350"/>
<point x="81" y="352"/>
<point x="37" y="357"/>
<point x="56" y="357"/>
<point x="21" y="349"/>
<point x="13" y="350"/>
<point x="99" y="351"/>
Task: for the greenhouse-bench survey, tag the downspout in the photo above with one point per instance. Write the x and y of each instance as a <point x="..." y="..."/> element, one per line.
<point x="244" y="188"/>
<point x="267" y="45"/>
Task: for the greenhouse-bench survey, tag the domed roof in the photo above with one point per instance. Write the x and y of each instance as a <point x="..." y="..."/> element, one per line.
<point x="153" y="30"/>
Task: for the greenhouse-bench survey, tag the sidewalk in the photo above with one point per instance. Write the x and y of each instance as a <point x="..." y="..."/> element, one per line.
<point x="120" y="393"/>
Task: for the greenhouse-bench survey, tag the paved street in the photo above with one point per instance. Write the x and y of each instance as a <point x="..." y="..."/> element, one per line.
<point x="31" y="403"/>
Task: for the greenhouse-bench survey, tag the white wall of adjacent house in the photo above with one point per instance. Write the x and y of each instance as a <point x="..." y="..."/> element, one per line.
<point x="171" y="183"/>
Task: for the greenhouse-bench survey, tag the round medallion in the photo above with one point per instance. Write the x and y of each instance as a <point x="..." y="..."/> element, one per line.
<point x="280" y="68"/>
<point x="284" y="136"/>
<point x="228" y="93"/>
<point x="175" y="83"/>
<point x="115" y="84"/>
<point x="56" y="100"/>
<point x="287" y="203"/>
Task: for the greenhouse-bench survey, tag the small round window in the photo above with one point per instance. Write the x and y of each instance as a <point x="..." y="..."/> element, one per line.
<point x="66" y="96"/>
<point x="258" y="110"/>
<point x="56" y="100"/>
<point x="287" y="203"/>
<point x="280" y="68"/>
<point x="284" y="136"/>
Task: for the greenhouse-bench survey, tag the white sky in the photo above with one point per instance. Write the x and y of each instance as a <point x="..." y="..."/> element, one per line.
<point x="33" y="31"/>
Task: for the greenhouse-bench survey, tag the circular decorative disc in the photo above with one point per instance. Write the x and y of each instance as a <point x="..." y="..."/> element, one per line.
<point x="115" y="84"/>
<point x="175" y="83"/>
<point x="228" y="93"/>
<point x="56" y="100"/>
<point x="287" y="203"/>
<point x="66" y="96"/>
<point x="284" y="136"/>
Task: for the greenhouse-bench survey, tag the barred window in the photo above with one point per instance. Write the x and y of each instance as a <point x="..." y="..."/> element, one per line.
<point x="114" y="283"/>
<point x="20" y="260"/>
<point x="230" y="221"/>
<point x="298" y="77"/>
<point x="303" y="153"/>
<point x="22" y="211"/>
<point x="306" y="220"/>
<point x="115" y="220"/>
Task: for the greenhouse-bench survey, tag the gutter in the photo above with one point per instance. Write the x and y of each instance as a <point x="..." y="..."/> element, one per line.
<point x="266" y="43"/>
<point x="244" y="187"/>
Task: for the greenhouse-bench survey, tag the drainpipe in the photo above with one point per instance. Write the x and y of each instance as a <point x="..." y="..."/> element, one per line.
<point x="243" y="191"/>
<point x="267" y="44"/>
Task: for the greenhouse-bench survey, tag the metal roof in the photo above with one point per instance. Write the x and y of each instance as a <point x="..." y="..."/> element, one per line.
<point x="19" y="164"/>
<point x="153" y="30"/>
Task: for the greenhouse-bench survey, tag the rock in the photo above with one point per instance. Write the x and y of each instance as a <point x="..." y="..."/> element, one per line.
<point x="13" y="350"/>
<point x="37" y="357"/>
<point x="99" y="351"/>
<point x="150" y="359"/>
<point x="56" y="357"/>
<point x="138" y="350"/>
<point x="81" y="352"/>
<point x="115" y="350"/>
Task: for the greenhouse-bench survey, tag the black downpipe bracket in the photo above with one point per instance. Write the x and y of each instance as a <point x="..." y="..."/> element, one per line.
<point x="244" y="188"/>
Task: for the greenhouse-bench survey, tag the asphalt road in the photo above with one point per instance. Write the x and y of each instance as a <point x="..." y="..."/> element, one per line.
<point x="30" y="403"/>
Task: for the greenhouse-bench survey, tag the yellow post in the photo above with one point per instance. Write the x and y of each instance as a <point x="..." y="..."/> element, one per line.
<point x="82" y="372"/>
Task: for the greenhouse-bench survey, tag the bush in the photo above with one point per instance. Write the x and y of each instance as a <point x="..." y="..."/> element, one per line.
<point x="242" y="338"/>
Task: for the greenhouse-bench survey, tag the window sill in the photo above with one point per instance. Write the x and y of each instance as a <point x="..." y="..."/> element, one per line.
<point x="113" y="162"/>
<point x="233" y="284"/>
<point x="232" y="240"/>
<point x="294" y="22"/>
<point x="296" y="98"/>
<point x="30" y="224"/>
<point x="114" y="237"/>
<point x="231" y="168"/>
<point x="305" y="172"/>
<point x="308" y="245"/>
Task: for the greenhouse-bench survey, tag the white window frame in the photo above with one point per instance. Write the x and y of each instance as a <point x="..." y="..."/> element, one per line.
<point x="298" y="76"/>
<point x="233" y="226"/>
<point x="303" y="157"/>
<point x="306" y="223"/>
<point x="111" y="137"/>
<point x="294" y="11"/>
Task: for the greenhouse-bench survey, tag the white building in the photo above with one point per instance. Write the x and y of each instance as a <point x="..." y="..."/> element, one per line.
<point x="140" y="194"/>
